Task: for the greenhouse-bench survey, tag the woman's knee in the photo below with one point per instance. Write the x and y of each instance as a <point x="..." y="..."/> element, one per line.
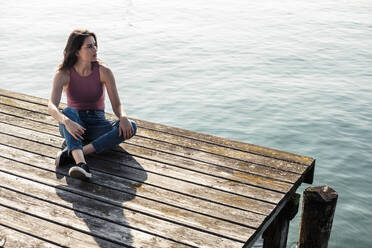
<point x="134" y="125"/>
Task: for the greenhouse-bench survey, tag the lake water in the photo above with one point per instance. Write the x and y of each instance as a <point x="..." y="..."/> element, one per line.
<point x="294" y="75"/>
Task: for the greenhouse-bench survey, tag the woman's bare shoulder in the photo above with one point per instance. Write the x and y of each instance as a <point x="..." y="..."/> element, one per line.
<point x="103" y="68"/>
<point x="62" y="77"/>
<point x="105" y="73"/>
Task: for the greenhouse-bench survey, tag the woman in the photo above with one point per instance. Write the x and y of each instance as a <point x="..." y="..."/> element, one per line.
<point x="83" y="123"/>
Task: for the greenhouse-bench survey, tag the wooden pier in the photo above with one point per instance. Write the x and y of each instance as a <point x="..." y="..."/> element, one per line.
<point x="165" y="187"/>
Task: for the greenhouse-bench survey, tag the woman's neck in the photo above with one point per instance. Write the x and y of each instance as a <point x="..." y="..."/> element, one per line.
<point x="83" y="68"/>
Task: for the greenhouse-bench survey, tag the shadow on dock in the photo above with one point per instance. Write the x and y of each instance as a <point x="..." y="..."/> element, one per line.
<point x="99" y="202"/>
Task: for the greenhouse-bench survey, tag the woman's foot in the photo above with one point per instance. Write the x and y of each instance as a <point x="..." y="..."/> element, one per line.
<point x="81" y="171"/>
<point x="63" y="158"/>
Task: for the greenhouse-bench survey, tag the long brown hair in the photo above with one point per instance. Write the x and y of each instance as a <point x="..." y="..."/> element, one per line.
<point x="74" y="43"/>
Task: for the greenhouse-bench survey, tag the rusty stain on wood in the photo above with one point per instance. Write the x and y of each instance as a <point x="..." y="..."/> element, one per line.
<point x="166" y="187"/>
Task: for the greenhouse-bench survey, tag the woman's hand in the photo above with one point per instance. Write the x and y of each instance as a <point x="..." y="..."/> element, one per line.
<point x="125" y="128"/>
<point x="75" y="129"/>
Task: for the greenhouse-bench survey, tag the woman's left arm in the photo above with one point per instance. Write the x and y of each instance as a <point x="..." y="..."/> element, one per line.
<point x="107" y="77"/>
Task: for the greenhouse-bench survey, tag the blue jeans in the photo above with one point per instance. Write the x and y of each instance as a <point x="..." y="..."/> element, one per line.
<point x="102" y="133"/>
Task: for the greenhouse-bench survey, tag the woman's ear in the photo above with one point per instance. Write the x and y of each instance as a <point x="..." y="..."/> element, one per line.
<point x="77" y="53"/>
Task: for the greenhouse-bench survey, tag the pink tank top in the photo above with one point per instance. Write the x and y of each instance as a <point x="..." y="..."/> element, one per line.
<point x="86" y="93"/>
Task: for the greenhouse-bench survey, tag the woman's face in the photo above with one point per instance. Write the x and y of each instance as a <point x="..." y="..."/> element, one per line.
<point x="88" y="51"/>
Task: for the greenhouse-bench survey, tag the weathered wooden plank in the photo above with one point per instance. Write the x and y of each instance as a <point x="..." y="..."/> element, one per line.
<point x="27" y="114"/>
<point x="194" y="135"/>
<point x="36" y="108"/>
<point x="209" y="195"/>
<point x="158" y="188"/>
<point x="185" y="142"/>
<point x="185" y="163"/>
<point x="183" y="145"/>
<point x="39" y="227"/>
<point x="225" y="167"/>
<point x="177" y="173"/>
<point x="183" y="189"/>
<point x="223" y="142"/>
<point x="134" y="188"/>
<point x="86" y="223"/>
<point x="196" y="178"/>
<point x="12" y="238"/>
<point x="135" y="219"/>
<point x="190" y="222"/>
<point x="118" y="230"/>
<point x="203" y="172"/>
<point x="106" y="212"/>
<point x="27" y="119"/>
<point x="24" y="97"/>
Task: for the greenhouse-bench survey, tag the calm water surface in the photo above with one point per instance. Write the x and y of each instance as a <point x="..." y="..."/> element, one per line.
<point x="291" y="75"/>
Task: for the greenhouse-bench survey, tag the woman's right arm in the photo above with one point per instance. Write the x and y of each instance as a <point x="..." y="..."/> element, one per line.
<point x="60" y="80"/>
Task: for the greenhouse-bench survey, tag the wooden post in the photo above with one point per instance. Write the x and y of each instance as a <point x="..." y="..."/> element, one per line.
<point x="318" y="208"/>
<point x="275" y="235"/>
